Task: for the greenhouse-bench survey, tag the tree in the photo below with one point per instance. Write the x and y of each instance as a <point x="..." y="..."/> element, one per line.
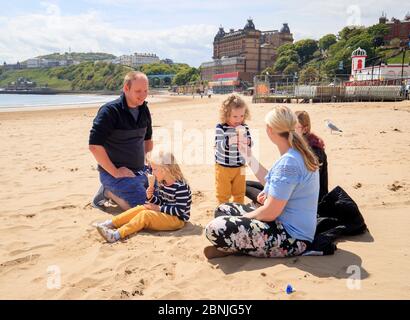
<point x="285" y="47"/>
<point x="186" y="75"/>
<point x="292" y="55"/>
<point x="305" y="49"/>
<point x="156" y="68"/>
<point x="330" y="67"/>
<point x="378" y="41"/>
<point x="347" y="32"/>
<point x="268" y="70"/>
<point x="364" y="41"/>
<point x="291" y="69"/>
<point x="309" y="74"/>
<point x="326" y="41"/>
<point x="195" y="77"/>
<point x="378" y="30"/>
<point x="282" y="63"/>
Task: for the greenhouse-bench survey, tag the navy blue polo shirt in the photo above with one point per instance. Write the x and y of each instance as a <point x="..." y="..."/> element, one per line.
<point x="116" y="129"/>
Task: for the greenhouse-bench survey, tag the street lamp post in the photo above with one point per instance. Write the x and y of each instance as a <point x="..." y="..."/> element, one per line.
<point x="404" y="54"/>
<point x="374" y="50"/>
<point x="402" y="63"/>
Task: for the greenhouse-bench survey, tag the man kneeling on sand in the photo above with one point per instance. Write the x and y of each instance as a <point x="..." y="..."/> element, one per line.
<point x="120" y="137"/>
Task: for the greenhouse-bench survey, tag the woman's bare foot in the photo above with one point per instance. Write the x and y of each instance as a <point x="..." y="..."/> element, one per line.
<point x="211" y="252"/>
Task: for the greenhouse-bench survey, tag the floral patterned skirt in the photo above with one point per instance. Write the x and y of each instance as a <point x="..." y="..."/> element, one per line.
<point x="231" y="232"/>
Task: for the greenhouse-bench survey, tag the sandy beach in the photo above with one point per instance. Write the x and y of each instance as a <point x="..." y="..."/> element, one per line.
<point x="49" y="177"/>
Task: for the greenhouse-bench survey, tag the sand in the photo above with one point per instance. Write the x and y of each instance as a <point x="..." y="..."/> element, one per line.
<point x="49" y="249"/>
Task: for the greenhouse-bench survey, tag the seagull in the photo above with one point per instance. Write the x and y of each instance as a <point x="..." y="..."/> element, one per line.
<point x="331" y="126"/>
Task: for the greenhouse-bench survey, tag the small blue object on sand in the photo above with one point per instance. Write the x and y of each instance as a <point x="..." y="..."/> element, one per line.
<point x="289" y="289"/>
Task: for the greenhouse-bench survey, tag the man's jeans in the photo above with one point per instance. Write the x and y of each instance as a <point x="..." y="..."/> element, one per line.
<point x="132" y="190"/>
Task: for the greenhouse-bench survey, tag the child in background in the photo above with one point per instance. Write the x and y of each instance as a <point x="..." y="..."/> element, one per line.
<point x="303" y="128"/>
<point x="168" y="207"/>
<point x="230" y="164"/>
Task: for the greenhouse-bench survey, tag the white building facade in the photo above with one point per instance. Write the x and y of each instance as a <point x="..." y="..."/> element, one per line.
<point x="137" y="59"/>
<point x="381" y="72"/>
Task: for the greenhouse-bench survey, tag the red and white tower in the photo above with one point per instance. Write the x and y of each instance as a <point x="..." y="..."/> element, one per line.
<point x="358" y="61"/>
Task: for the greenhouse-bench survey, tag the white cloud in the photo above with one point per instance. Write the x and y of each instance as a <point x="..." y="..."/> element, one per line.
<point x="30" y="35"/>
<point x="182" y="30"/>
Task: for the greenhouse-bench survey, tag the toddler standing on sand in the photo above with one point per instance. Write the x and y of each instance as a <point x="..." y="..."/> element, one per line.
<point x="230" y="164"/>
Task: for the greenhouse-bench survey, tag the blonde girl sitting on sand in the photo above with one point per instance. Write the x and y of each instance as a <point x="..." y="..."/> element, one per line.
<point x="167" y="208"/>
<point x="230" y="164"/>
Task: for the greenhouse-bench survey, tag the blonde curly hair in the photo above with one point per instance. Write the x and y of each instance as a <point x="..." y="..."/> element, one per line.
<point x="230" y="103"/>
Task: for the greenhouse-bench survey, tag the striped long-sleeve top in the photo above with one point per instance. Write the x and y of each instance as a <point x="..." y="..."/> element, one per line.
<point x="225" y="154"/>
<point x="174" y="200"/>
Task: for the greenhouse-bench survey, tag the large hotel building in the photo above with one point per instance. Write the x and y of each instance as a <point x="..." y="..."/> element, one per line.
<point x="240" y="55"/>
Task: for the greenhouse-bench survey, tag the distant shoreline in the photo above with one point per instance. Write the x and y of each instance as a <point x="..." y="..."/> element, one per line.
<point x="69" y="105"/>
<point x="55" y="92"/>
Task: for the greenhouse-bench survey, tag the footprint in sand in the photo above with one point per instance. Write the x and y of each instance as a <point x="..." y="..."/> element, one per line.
<point x="169" y="273"/>
<point x="20" y="251"/>
<point x="357" y="185"/>
<point x="395" y="186"/>
<point x="124" y="294"/>
<point x="137" y="292"/>
<point x="40" y="168"/>
<point x="198" y="196"/>
<point x="32" y="258"/>
<point x="139" y="289"/>
<point x="88" y="206"/>
<point x="271" y="285"/>
<point x="68" y="206"/>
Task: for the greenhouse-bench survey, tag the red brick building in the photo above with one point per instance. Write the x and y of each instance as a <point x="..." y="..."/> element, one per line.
<point x="399" y="29"/>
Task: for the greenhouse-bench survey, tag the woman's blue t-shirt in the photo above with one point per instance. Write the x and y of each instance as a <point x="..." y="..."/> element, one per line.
<point x="290" y="180"/>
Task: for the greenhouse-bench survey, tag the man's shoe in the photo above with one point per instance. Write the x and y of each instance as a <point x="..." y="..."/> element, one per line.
<point x="99" y="199"/>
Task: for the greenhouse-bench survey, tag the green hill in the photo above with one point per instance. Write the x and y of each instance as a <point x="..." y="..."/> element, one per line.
<point x="94" y="76"/>
<point x="87" y="76"/>
<point x="40" y="76"/>
<point x="399" y="58"/>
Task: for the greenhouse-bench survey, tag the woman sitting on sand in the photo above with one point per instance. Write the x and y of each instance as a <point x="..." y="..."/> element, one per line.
<point x="168" y="208"/>
<point x="303" y="128"/>
<point x="286" y="222"/>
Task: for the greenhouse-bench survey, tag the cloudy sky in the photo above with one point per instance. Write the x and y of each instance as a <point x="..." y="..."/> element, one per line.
<point x="180" y="30"/>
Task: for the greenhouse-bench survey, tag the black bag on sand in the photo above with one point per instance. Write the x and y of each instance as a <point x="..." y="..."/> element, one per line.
<point x="338" y="215"/>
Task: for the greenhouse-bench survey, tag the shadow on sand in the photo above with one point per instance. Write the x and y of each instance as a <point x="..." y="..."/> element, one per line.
<point x="339" y="265"/>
